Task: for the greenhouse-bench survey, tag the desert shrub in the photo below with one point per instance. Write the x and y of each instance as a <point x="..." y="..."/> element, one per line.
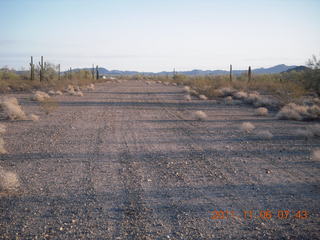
<point x="186" y="89"/>
<point x="316" y="154"/>
<point x="261" y="111"/>
<point x="12" y="110"/>
<point x="3" y="128"/>
<point x="312" y="75"/>
<point x="247" y="127"/>
<point x="200" y="115"/>
<point x="187" y="97"/>
<point x="297" y="112"/>
<point x="34" y="117"/>
<point x="203" y="97"/>
<point x="228" y="100"/>
<point x="264" y="134"/>
<point x="8" y="180"/>
<point x="2" y="148"/>
<point x="40" y="96"/>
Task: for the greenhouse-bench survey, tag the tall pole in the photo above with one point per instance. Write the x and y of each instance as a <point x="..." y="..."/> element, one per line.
<point x="230" y="73"/>
<point x="249" y="74"/>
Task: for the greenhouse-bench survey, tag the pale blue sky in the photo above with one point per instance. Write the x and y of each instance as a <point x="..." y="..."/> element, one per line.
<point x="151" y="35"/>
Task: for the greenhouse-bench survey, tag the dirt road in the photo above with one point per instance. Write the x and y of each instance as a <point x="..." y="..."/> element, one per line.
<point x="128" y="161"/>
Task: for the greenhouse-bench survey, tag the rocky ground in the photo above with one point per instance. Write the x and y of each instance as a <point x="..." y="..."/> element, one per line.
<point x="128" y="161"/>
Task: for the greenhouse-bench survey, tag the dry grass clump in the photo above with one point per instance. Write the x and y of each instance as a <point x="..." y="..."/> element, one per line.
<point x="264" y="134"/>
<point x="193" y="92"/>
<point x="186" y="89"/>
<point x="200" y="115"/>
<point x="316" y="154"/>
<point x="55" y="93"/>
<point x="74" y="91"/>
<point x="228" y="100"/>
<point x="247" y="127"/>
<point x="203" y="97"/>
<point x="297" y="112"/>
<point x="252" y="97"/>
<point x="8" y="180"/>
<point x="3" y="128"/>
<point x="261" y="111"/>
<point x="187" y="97"/>
<point x="265" y="102"/>
<point x="52" y="92"/>
<point x="224" y="92"/>
<point x="12" y="110"/>
<point x="34" y="117"/>
<point x="91" y="86"/>
<point x="40" y="96"/>
<point x="2" y="148"/>
<point x="240" y="95"/>
<point x="316" y="100"/>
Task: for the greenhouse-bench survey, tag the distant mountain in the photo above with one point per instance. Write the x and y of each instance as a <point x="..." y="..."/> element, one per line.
<point x="196" y="72"/>
<point x="298" y="69"/>
<point x="276" y="69"/>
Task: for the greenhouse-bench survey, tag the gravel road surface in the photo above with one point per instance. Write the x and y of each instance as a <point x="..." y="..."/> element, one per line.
<point x="128" y="161"/>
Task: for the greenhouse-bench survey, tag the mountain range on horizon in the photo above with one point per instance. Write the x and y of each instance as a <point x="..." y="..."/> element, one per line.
<point x="196" y="72"/>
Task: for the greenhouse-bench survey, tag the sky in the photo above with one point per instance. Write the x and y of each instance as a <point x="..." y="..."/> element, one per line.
<point x="159" y="35"/>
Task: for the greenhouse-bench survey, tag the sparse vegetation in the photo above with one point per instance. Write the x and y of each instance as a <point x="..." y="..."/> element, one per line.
<point x="316" y="154"/>
<point x="203" y="97"/>
<point x="34" y="117"/>
<point x="40" y="96"/>
<point x="11" y="80"/>
<point x="247" y="127"/>
<point x="261" y="111"/>
<point x="3" y="128"/>
<point x="8" y="180"/>
<point x="200" y="115"/>
<point x="297" y="112"/>
<point x="228" y="100"/>
<point x="264" y="134"/>
<point x="187" y="97"/>
<point x="12" y="110"/>
<point x="2" y="148"/>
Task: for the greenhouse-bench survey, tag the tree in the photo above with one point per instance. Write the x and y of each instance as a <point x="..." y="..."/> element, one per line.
<point x="312" y="77"/>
